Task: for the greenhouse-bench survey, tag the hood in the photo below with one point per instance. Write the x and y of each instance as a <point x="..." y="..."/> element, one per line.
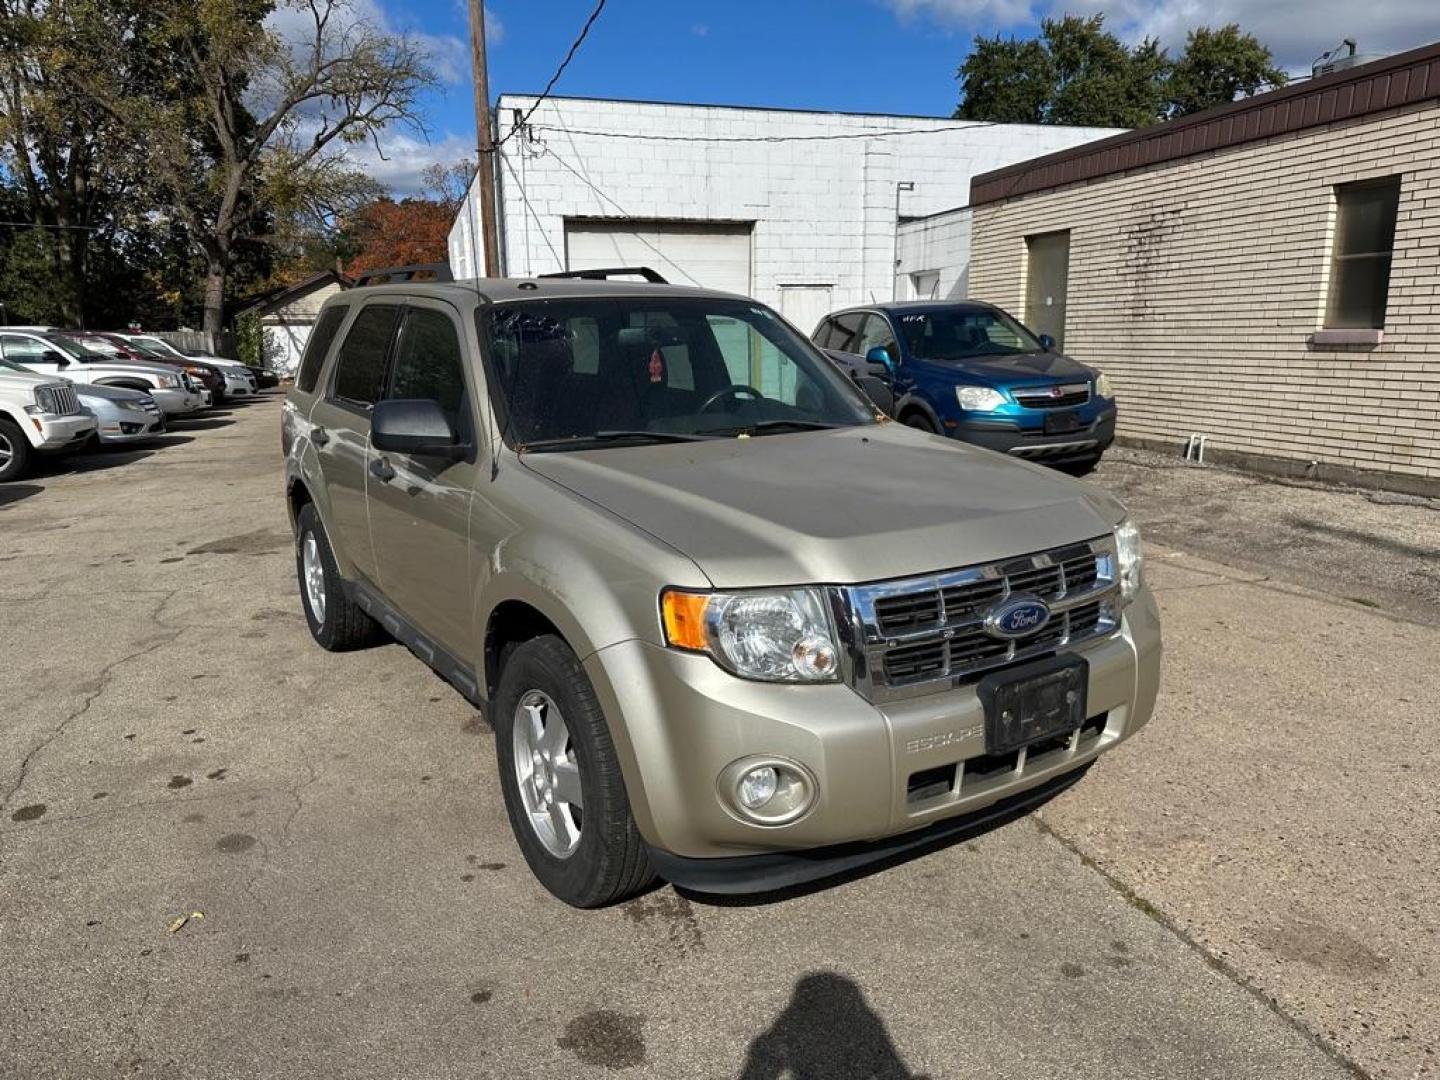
<point x="834" y="507"/>
<point x="109" y="393"/>
<point x="126" y="367"/>
<point x="12" y="379"/>
<point x="999" y="371"/>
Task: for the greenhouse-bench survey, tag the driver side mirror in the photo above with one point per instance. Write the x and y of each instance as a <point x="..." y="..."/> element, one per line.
<point x="414" y="427"/>
<point x="1047" y="342"/>
<point x="881" y="355"/>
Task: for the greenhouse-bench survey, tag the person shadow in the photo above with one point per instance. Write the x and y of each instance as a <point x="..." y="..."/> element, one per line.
<point x="827" y="1032"/>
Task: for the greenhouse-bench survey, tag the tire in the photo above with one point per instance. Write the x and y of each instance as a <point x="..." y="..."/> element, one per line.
<point x="607" y="862"/>
<point x="340" y="625"/>
<point x="919" y="421"/>
<point x="15" y="451"/>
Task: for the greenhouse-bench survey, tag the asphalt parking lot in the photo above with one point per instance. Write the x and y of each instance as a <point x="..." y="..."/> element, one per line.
<point x="226" y="853"/>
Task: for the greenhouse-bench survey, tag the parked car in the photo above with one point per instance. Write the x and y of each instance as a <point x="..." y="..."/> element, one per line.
<point x="730" y="623"/>
<point x="240" y="379"/>
<point x="970" y="371"/>
<point x="209" y="377"/>
<point x="54" y="354"/>
<point x="38" y="415"/>
<point x="121" y="416"/>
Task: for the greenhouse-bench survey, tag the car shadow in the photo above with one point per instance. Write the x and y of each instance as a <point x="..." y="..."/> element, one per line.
<point x="827" y="1031"/>
<point x="91" y="461"/>
<point x="880" y="865"/>
<point x="209" y="423"/>
<point x="14" y="493"/>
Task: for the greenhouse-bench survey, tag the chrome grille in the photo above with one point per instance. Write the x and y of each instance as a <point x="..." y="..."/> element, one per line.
<point x="1064" y="396"/>
<point x="58" y="399"/>
<point x="920" y="635"/>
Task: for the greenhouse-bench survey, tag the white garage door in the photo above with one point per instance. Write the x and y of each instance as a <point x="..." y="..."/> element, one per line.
<point x="684" y="252"/>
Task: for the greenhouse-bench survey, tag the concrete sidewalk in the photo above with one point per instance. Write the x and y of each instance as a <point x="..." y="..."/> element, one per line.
<point x="174" y="743"/>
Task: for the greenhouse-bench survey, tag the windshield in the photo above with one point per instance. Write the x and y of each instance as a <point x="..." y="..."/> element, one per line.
<point x="962" y="335"/>
<point x="74" y="349"/>
<point x="568" y="373"/>
<point x="156" y="347"/>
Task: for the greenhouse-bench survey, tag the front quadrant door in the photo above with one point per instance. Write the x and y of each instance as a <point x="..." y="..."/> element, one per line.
<point x="1047" y="270"/>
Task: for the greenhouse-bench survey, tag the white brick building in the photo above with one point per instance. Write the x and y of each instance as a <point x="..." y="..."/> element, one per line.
<point x="1264" y="274"/>
<point x="798" y="209"/>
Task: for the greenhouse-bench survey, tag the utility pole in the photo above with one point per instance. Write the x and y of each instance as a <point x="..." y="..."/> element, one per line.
<point x="484" y="143"/>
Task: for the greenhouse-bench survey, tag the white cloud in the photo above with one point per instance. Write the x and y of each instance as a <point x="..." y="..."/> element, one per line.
<point x="449" y="55"/>
<point x="700" y="29"/>
<point x="406" y="158"/>
<point x="1296" y="31"/>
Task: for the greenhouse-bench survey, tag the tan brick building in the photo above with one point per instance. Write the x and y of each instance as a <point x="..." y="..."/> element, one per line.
<point x="1266" y="273"/>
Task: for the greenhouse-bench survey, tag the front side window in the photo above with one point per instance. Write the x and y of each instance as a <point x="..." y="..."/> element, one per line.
<point x="429" y="363"/>
<point x="965" y="335"/>
<point x="1364" y="241"/>
<point x="878" y="335"/>
<point x="318" y="346"/>
<point x="23" y="350"/>
<point x="360" y="368"/>
<point x="573" y="373"/>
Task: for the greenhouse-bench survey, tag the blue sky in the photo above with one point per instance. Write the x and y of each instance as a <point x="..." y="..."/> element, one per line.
<point x="896" y="56"/>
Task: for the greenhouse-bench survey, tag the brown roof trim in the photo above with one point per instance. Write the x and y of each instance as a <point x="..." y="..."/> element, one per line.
<point x="1403" y="79"/>
<point x="281" y="295"/>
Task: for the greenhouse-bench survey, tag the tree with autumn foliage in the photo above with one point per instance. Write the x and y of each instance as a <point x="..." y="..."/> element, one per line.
<point x="389" y="233"/>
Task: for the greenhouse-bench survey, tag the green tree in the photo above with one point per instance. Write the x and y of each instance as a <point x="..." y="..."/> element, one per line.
<point x="1077" y="72"/>
<point x="1217" y="67"/>
<point x="248" y="124"/>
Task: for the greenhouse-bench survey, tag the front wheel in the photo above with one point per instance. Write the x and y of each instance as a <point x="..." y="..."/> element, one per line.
<point x="561" y="779"/>
<point x="15" y="452"/>
<point x="919" y="421"/>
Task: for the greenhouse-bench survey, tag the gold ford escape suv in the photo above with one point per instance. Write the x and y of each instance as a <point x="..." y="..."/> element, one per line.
<point x="729" y="623"/>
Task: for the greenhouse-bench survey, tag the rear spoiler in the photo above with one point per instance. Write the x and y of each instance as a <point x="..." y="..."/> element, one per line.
<point x="606" y="274"/>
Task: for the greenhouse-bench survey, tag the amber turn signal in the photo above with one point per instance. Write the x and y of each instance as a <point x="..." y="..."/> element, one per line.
<point x="684" y="617"/>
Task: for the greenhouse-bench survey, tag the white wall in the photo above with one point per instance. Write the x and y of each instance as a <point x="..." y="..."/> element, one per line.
<point x="284" y="344"/>
<point x="938" y="245"/>
<point x="823" y="211"/>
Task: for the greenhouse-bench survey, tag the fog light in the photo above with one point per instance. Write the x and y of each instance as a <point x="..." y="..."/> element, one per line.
<point x="766" y="790"/>
<point x="757" y="786"/>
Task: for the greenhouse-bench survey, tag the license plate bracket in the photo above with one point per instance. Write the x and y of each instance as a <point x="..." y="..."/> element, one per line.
<point x="1061" y="423"/>
<point x="1032" y="702"/>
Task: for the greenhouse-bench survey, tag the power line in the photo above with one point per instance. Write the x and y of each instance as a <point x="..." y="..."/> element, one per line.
<point x="574" y="48"/>
<point x="520" y="186"/>
<point x="875" y="134"/>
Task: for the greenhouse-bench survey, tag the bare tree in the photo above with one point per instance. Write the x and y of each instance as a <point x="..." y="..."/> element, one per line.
<point x="448" y="183"/>
<point x="246" y="108"/>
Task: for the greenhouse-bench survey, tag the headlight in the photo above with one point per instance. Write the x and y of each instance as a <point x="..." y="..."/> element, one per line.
<point x="979" y="398"/>
<point x="1127" y="551"/>
<point x="132" y="406"/>
<point x="782" y="636"/>
<point x="1102" y="386"/>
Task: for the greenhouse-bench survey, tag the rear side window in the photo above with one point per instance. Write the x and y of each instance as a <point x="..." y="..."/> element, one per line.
<point x="845" y="332"/>
<point x="360" y="367"/>
<point x="316" y="348"/>
<point x="429" y="363"/>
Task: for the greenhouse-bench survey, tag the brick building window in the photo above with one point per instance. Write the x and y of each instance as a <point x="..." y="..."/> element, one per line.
<point x="1360" y="265"/>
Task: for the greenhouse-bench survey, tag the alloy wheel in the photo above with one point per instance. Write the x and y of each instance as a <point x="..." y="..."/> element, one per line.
<point x="313" y="572"/>
<point x="546" y="773"/>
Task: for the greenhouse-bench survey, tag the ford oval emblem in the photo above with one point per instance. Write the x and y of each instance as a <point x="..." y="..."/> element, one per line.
<point x="1017" y="617"/>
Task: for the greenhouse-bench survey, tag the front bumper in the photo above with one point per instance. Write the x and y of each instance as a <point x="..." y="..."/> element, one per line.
<point x="239" y="385"/>
<point x="685" y="720"/>
<point x="61" y="432"/>
<point x="1031" y="442"/>
<point x="129" y="427"/>
<point x="175" y="401"/>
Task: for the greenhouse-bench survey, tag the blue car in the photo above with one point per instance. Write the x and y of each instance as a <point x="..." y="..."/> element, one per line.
<point x="970" y="371"/>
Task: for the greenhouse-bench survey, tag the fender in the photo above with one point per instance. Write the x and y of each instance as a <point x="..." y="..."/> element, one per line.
<point x="22" y="421"/>
<point x="303" y="468"/>
<point x="912" y="401"/>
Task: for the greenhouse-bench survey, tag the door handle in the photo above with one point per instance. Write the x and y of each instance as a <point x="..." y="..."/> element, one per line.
<point x="319" y="436"/>
<point x="381" y="469"/>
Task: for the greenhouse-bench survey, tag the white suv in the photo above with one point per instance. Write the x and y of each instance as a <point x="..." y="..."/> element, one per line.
<point x="62" y="359"/>
<point x="37" y="415"/>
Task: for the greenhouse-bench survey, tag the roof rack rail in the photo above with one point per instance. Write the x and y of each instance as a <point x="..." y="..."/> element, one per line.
<point x="386" y="275"/>
<point x="645" y="272"/>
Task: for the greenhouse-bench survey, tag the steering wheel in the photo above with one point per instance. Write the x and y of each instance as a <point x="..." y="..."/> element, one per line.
<point x="733" y="390"/>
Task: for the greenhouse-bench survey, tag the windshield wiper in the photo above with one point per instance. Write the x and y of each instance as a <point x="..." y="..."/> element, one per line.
<point x="772" y="425"/>
<point x="613" y="436"/>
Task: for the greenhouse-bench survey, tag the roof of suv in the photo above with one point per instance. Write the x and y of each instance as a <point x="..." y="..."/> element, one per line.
<point x="502" y="290"/>
<point x="971" y="306"/>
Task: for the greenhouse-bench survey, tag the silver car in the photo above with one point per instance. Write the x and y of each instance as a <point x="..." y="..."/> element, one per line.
<point x="121" y="415"/>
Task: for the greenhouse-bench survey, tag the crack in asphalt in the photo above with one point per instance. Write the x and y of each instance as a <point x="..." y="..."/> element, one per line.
<point x="101" y="684"/>
<point x="1215" y="962"/>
